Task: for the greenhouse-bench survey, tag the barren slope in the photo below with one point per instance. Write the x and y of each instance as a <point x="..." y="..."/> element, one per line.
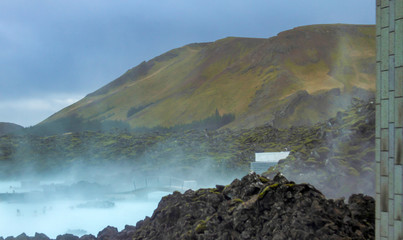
<point x="300" y="76"/>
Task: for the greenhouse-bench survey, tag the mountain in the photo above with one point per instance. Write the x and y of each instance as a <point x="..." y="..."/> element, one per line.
<point x="10" y="128"/>
<point x="299" y="77"/>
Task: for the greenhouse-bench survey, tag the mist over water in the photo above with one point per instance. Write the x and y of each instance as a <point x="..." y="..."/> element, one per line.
<point x="59" y="216"/>
<point x="84" y="195"/>
<point x="86" y="201"/>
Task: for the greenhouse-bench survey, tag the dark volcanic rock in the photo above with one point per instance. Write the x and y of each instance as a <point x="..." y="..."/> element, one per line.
<point x="22" y="236"/>
<point x="108" y="233"/>
<point x="259" y="208"/>
<point x="41" y="236"/>
<point x="88" y="237"/>
<point x="67" y="236"/>
<point x="252" y="208"/>
<point x="127" y="233"/>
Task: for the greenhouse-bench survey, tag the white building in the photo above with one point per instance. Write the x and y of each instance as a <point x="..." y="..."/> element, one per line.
<point x="264" y="161"/>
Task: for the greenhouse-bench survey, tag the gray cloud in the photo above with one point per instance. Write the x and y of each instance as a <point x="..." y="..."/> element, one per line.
<point x="27" y="111"/>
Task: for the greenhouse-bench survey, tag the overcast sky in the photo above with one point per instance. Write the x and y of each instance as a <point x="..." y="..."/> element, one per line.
<point x="54" y="52"/>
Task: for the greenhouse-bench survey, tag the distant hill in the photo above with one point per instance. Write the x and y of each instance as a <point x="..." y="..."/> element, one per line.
<point x="298" y="77"/>
<point x="9" y="128"/>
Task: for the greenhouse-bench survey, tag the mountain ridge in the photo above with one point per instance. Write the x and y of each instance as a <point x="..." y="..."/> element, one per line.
<point x="247" y="77"/>
<point x="10" y="128"/>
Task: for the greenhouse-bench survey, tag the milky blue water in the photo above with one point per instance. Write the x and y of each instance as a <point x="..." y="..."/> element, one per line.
<point x="63" y="216"/>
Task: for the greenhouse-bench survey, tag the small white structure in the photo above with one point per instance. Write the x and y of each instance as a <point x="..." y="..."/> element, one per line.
<point x="264" y="161"/>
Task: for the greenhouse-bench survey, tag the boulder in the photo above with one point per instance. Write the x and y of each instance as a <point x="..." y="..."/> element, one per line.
<point x="67" y="236"/>
<point x="41" y="236"/>
<point x="108" y="233"/>
<point x="259" y="208"/>
<point x="88" y="237"/>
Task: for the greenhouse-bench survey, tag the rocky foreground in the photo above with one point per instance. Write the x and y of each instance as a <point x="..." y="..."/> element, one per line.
<point x="251" y="208"/>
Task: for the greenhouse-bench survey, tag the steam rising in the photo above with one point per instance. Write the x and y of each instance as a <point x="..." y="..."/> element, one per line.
<point x="63" y="216"/>
<point x="86" y="197"/>
<point x="68" y="206"/>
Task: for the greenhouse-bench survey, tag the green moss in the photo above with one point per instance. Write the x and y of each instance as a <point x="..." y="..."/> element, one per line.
<point x="266" y="189"/>
<point x="201" y="196"/>
<point x="311" y="160"/>
<point x="275" y="185"/>
<point x="352" y="171"/>
<point x="231" y="209"/>
<point x="323" y="150"/>
<point x="263" y="179"/>
<point x="201" y="227"/>
<point x="214" y="190"/>
<point x="237" y="200"/>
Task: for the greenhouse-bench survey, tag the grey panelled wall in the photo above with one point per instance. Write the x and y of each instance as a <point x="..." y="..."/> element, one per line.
<point x="389" y="119"/>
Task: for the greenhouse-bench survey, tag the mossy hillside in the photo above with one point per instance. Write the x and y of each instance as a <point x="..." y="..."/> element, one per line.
<point x="342" y="152"/>
<point x="242" y="76"/>
<point x="218" y="88"/>
<point x="224" y="147"/>
<point x="10" y="128"/>
<point x="353" y="60"/>
<point x="314" y="75"/>
<point x="161" y="83"/>
<point x="342" y="66"/>
<point x="299" y="109"/>
<point x="220" y="151"/>
<point x="225" y="54"/>
<point x="330" y="155"/>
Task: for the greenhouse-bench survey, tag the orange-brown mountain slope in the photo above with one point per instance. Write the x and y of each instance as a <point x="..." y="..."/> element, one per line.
<point x="300" y="76"/>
